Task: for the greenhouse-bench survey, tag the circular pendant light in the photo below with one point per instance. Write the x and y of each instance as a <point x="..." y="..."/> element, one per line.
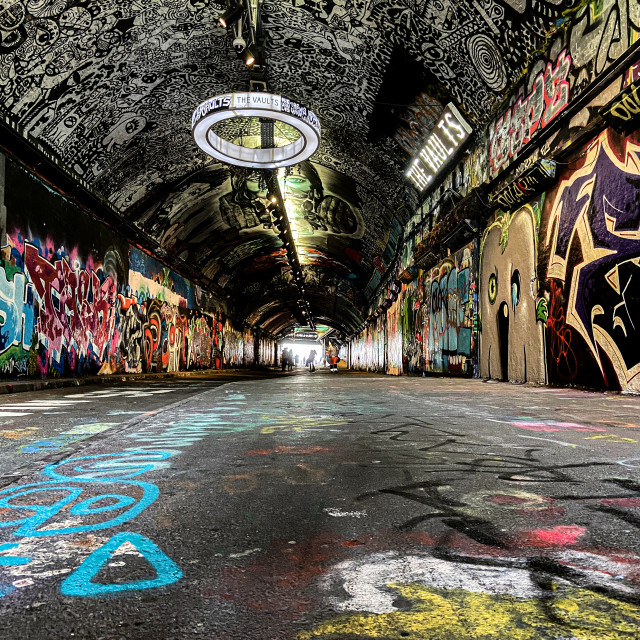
<point x="255" y="105"/>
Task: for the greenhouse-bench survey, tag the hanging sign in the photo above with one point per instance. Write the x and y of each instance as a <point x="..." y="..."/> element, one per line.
<point x="259" y="105"/>
<point x="305" y="335"/>
<point x="442" y="147"/>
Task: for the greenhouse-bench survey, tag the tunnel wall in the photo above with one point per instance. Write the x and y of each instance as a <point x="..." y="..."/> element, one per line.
<point x="77" y="299"/>
<point x="430" y="326"/>
<point x="557" y="280"/>
<point x="367" y="351"/>
<point x="578" y="315"/>
<point x="552" y="297"/>
<point x="511" y="326"/>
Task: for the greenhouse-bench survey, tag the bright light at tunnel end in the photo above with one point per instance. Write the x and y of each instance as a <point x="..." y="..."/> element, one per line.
<point x="261" y="105"/>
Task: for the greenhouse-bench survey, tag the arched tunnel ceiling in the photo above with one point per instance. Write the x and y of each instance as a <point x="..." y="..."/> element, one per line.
<point x="109" y="88"/>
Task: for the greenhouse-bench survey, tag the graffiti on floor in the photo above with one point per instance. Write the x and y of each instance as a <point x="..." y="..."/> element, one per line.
<point x="504" y="561"/>
<point x="193" y="427"/>
<point x="86" y="494"/>
<point x="447" y="599"/>
<point x="11" y="433"/>
<point x="48" y="404"/>
<point x="75" y="434"/>
<point x="451" y="455"/>
<point x="300" y="474"/>
<point x="95" y="493"/>
<point x="79" y="583"/>
<point x="500" y="562"/>
<point x="550" y="426"/>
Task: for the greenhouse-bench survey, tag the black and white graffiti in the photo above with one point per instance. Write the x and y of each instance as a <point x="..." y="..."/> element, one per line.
<point x="108" y="87"/>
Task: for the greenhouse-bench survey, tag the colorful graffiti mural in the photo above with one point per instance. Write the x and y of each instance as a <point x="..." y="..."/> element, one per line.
<point x="448" y="314"/>
<point x="59" y="314"/>
<point x="393" y="339"/>
<point x="511" y="338"/>
<point x="519" y="124"/>
<point x="68" y="315"/>
<point x="557" y="284"/>
<point x="591" y="253"/>
<point x="430" y="328"/>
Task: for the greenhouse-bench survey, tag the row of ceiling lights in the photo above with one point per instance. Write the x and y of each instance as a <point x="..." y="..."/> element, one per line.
<point x="277" y="209"/>
<point x="234" y="16"/>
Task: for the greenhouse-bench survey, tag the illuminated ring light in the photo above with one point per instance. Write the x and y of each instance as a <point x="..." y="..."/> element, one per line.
<point x="260" y="105"/>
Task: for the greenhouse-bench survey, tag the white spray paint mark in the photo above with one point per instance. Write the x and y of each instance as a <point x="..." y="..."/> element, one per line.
<point x="23" y="583"/>
<point x="627" y="463"/>
<point x="560" y="442"/>
<point x="338" y="513"/>
<point x="244" y="554"/>
<point x="366" y="580"/>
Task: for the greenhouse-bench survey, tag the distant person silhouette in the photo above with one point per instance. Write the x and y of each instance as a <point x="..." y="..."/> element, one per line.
<point x="311" y="360"/>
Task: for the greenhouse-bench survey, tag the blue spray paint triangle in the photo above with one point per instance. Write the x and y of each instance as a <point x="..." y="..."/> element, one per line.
<point x="79" y="582"/>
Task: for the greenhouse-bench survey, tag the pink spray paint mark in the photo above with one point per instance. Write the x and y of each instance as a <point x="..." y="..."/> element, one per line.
<point x="621" y="502"/>
<point x="562" y="536"/>
<point x="549" y="426"/>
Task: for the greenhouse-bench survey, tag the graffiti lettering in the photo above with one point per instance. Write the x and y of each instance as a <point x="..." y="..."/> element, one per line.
<point x="597" y="205"/>
<point x="77" y="317"/>
<point x="528" y="185"/>
<point x="59" y="316"/>
<point x="16" y="312"/>
<point x="518" y="125"/>
<point x="624" y="112"/>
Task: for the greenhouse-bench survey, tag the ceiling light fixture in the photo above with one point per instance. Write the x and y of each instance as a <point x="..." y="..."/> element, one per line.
<point x="239" y="44"/>
<point x="249" y="58"/>
<point x="231" y="15"/>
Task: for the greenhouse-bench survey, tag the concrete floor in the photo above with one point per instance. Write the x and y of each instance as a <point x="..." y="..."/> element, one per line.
<point x="326" y="506"/>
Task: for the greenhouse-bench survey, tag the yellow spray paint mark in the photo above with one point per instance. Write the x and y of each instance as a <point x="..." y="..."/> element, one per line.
<point x="456" y="614"/>
<point x="623" y="425"/>
<point x="17" y="434"/>
<point x="298" y="424"/>
<point x="611" y="438"/>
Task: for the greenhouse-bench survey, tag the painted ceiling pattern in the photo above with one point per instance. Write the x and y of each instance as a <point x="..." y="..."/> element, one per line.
<point x="109" y="88"/>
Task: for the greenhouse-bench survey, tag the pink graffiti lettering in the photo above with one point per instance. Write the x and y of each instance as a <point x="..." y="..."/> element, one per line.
<point x="517" y="126"/>
<point x="76" y="318"/>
